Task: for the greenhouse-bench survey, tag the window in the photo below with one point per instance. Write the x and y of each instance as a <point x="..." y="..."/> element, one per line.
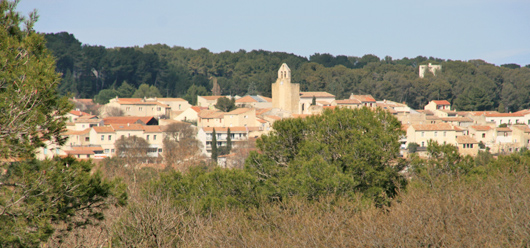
<point x="159" y="149"/>
<point x="147" y="137"/>
<point x="112" y="150"/>
<point x="423" y="144"/>
<point x="110" y="137"/>
<point x="470" y="145"/>
<point x="422" y="134"/>
<point x="246" y="116"/>
<point x="107" y="150"/>
<point x="445" y="133"/>
<point x="154" y="137"/>
<point x="159" y="108"/>
<point x="435" y="134"/>
<point x="87" y="139"/>
<point x="140" y="108"/>
<point x="483" y="135"/>
<point x="102" y="137"/>
<point x="463" y="145"/>
<point x="128" y="109"/>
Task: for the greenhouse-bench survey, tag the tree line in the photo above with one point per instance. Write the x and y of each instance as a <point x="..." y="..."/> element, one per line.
<point x="184" y="72"/>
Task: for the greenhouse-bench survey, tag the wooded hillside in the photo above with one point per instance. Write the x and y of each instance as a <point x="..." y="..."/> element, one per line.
<point x="471" y="85"/>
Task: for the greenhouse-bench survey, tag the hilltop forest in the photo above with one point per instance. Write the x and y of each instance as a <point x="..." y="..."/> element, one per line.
<point x="183" y="72"/>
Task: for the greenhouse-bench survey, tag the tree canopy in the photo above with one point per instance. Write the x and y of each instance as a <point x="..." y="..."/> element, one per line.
<point x="39" y="199"/>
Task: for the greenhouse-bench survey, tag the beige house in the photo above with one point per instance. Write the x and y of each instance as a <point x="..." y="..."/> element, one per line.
<point x="366" y="100"/>
<point x="138" y="107"/>
<point x="321" y="99"/>
<point x="176" y="104"/>
<point x="241" y="117"/>
<point x="347" y="103"/>
<point x="87" y="121"/>
<point x="210" y="118"/>
<point x="442" y="133"/>
<point x="208" y="101"/>
<point x="191" y="114"/>
<point x="521" y="117"/>
<point x="467" y="145"/>
<point x="205" y="136"/>
<point x="484" y="134"/>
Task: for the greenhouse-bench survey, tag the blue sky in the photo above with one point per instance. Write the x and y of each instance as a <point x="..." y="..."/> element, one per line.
<point x="497" y="31"/>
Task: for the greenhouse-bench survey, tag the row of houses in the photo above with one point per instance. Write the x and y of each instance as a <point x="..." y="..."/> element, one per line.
<point x="90" y="136"/>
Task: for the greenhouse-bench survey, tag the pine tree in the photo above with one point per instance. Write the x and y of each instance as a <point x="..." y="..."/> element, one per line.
<point x="214" y="146"/>
<point x="228" y="140"/>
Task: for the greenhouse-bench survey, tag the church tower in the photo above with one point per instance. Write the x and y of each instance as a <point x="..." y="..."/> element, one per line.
<point x="285" y="95"/>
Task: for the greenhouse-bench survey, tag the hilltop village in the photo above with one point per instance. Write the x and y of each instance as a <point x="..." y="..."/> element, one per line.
<point x="94" y="136"/>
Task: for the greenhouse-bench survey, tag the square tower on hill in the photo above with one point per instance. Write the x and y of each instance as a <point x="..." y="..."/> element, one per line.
<point x="285" y="95"/>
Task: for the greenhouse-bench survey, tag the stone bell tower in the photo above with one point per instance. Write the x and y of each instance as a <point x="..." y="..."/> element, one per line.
<point x="285" y="95"/>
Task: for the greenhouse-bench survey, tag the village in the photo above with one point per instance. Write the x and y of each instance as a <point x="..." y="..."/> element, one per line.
<point x="91" y="136"/>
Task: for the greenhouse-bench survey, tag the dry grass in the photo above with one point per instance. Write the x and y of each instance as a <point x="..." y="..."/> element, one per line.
<point x="488" y="211"/>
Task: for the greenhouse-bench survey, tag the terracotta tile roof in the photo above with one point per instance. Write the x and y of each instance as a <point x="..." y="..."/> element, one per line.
<point x="78" y="113"/>
<point x="261" y="120"/>
<point x="315" y="94"/>
<point x="516" y="114"/>
<point x="127" y="119"/>
<point x="464" y="139"/>
<point x="479" y="113"/>
<point x="363" y="98"/>
<point x="481" y="128"/>
<point x="404" y="127"/>
<point x="348" y="101"/>
<point x="211" y="114"/>
<point x="103" y="129"/>
<point x="73" y="132"/>
<point x="225" y="129"/>
<point x="198" y="109"/>
<point x="83" y="150"/>
<point x="152" y="129"/>
<point x="131" y="99"/>
<point x="441" y="102"/>
<point x="262" y="111"/>
<point x="127" y="127"/>
<point x="239" y="111"/>
<point x="434" y="127"/>
<point x="143" y="103"/>
<point x="324" y="103"/>
<point x="246" y="99"/>
<point x="459" y="119"/>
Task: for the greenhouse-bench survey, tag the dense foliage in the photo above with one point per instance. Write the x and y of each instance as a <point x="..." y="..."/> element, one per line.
<point x="39" y="199"/>
<point x="29" y="105"/>
<point x="340" y="153"/>
<point x="472" y="85"/>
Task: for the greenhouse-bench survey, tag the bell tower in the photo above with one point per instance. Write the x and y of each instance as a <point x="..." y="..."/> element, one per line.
<point x="285" y="95"/>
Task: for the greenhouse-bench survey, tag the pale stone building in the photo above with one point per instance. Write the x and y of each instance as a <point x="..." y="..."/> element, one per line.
<point x="430" y="68"/>
<point x="286" y="95"/>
